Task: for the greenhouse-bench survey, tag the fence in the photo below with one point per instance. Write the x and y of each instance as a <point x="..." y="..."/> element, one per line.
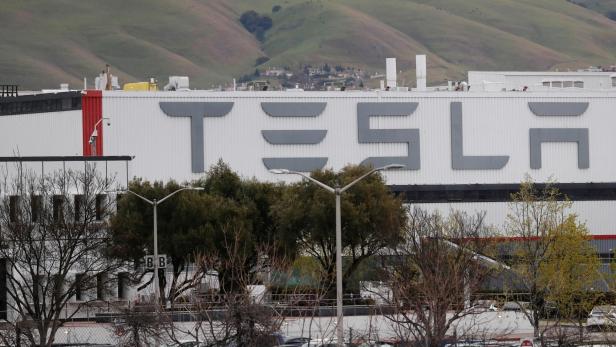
<point x="362" y="323"/>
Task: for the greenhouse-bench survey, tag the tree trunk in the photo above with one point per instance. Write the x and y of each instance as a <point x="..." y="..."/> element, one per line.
<point x="536" y="323"/>
<point x="581" y="331"/>
<point x="52" y="335"/>
<point x="42" y="330"/>
<point x="330" y="281"/>
<point x="136" y="338"/>
<point x="43" y="338"/>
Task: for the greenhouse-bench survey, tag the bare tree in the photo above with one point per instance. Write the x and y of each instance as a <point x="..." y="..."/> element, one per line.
<point x="233" y="314"/>
<point x="54" y="238"/>
<point x="434" y="272"/>
<point x="140" y="326"/>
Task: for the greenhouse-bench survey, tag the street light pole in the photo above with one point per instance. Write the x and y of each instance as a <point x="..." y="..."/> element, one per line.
<point x="339" y="302"/>
<point x="155" y="203"/>
<point x="337" y="191"/>
<point x="156" y="279"/>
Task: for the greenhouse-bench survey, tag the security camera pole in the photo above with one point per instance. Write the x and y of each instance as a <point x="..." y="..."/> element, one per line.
<point x="94" y="134"/>
<point x="338" y="192"/>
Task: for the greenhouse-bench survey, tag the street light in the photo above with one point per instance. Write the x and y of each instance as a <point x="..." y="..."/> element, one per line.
<point x="155" y="203"/>
<point x="338" y="192"/>
<point x="94" y="134"/>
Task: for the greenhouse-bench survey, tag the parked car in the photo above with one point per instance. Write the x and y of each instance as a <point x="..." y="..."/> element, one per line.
<point x="485" y="306"/>
<point x="526" y="342"/>
<point x="602" y="318"/>
<point x="482" y="343"/>
<point x="322" y="343"/>
<point x="191" y="343"/>
<point x="375" y="344"/>
<point x="294" y="341"/>
<point x="515" y="305"/>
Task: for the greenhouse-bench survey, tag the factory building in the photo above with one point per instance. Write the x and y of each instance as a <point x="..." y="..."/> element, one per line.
<point x="465" y="149"/>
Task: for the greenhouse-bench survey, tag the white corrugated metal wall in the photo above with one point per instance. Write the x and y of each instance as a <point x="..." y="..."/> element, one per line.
<point x="598" y="216"/>
<point x="39" y="134"/>
<point x="493" y="124"/>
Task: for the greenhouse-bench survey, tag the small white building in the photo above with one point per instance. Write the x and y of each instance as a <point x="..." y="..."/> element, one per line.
<point x="275" y="72"/>
<point x="496" y="81"/>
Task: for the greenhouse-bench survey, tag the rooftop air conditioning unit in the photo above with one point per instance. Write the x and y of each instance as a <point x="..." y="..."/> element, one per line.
<point x="177" y="83"/>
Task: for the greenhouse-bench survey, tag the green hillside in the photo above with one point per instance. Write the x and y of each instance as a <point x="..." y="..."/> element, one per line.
<point x="45" y="43"/>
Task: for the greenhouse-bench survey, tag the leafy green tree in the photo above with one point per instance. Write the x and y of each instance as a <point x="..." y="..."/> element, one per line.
<point x="534" y="215"/>
<point x="372" y="219"/>
<point x="191" y="224"/>
<point x="255" y="229"/>
<point x="256" y="23"/>
<point x="569" y="273"/>
<point x="183" y="223"/>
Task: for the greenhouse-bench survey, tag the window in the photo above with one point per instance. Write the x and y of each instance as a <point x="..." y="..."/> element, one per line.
<point x="568" y="84"/>
<point x="14" y="208"/>
<point x="38" y="283"/>
<point x="613" y="81"/>
<point x="58" y="287"/>
<point x="80" y="204"/>
<point x="557" y="84"/>
<point x="36" y="205"/>
<point x="123" y="282"/>
<point x="79" y="287"/>
<point x="3" y="289"/>
<point x="101" y="208"/>
<point x="58" y="208"/>
<point x="118" y="198"/>
<point x="546" y="83"/>
<point x="101" y="280"/>
<point x="578" y="84"/>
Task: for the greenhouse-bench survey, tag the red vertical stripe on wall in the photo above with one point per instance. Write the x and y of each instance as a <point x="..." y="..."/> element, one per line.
<point x="91" y="113"/>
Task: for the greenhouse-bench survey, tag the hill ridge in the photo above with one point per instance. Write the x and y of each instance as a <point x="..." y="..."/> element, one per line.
<point x="64" y="41"/>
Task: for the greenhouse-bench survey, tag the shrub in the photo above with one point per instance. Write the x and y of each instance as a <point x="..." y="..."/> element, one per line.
<point x="256" y="23"/>
<point x="261" y="60"/>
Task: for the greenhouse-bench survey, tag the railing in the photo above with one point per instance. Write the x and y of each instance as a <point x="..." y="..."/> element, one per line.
<point x="7" y="90"/>
<point x="38" y="103"/>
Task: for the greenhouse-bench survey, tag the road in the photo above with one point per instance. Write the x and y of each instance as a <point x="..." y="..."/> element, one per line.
<point x="487" y="325"/>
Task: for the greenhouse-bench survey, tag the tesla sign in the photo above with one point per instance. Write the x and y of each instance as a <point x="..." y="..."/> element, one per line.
<point x="410" y="138"/>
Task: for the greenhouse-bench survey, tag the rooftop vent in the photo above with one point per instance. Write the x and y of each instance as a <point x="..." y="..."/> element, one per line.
<point x="390" y="73"/>
<point x="420" y="72"/>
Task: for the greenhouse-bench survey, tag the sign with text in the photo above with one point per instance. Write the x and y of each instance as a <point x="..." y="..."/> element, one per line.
<point x="150" y="262"/>
<point x="410" y="138"/>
